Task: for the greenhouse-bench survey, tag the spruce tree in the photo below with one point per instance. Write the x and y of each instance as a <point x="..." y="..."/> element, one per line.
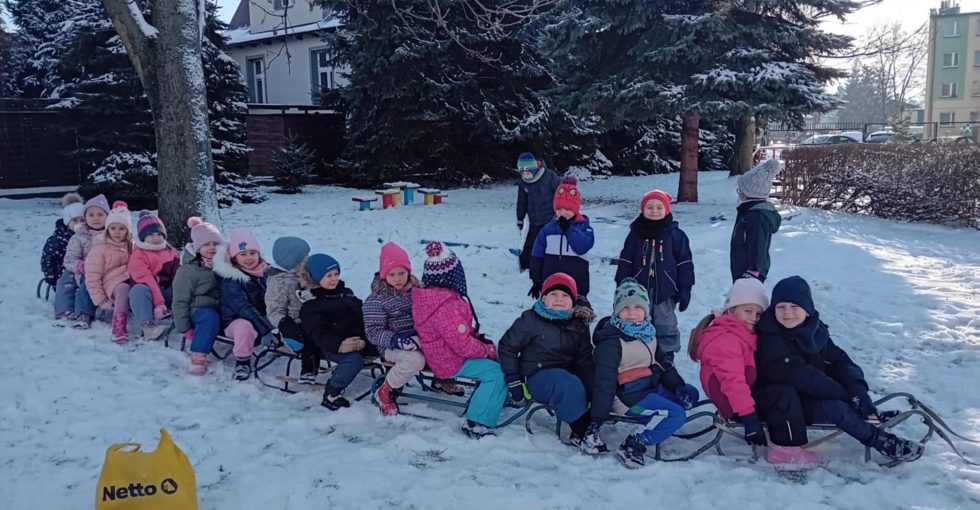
<point x="38" y="23"/>
<point x="8" y="60"/>
<point x="293" y="166"/>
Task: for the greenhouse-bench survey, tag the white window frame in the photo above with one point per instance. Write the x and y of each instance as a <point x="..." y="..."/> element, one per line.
<point x="949" y="89"/>
<point x="259" y="82"/>
<point x="946" y="26"/>
<point x="976" y="58"/>
<point x="321" y="69"/>
<point x="976" y="88"/>
<point x="281" y="5"/>
<point x="949" y="121"/>
<point x="954" y="60"/>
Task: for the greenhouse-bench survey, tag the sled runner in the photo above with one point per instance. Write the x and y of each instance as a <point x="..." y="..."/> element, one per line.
<point x="47" y="289"/>
<point x="286" y="383"/>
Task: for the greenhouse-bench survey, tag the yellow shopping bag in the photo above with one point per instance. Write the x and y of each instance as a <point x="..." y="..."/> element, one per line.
<point x="159" y="480"/>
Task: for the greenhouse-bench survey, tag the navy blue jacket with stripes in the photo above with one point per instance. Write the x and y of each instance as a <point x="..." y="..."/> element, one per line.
<point x="563" y="252"/>
<point x="663" y="265"/>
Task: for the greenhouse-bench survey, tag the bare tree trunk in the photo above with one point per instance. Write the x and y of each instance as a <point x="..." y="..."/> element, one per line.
<point x="167" y="58"/>
<point x="744" y="144"/>
<point x="690" y="139"/>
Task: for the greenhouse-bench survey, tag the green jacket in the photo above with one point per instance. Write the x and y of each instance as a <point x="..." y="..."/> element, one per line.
<point x="755" y="224"/>
<point x="195" y="287"/>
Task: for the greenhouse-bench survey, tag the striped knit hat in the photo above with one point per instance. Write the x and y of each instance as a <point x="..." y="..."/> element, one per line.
<point x="443" y="269"/>
<point x="529" y="167"/>
<point x="149" y="224"/>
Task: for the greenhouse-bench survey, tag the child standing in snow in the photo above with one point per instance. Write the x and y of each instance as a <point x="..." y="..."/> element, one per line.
<point x="79" y="246"/>
<point x="657" y="254"/>
<point x="451" y="340"/>
<point x="283" y="302"/>
<point x="241" y="271"/>
<point x="755" y="224"/>
<point x="535" y="193"/>
<point x="635" y="377"/>
<point x="53" y="255"/>
<point x="152" y="267"/>
<point x="197" y="292"/>
<point x="107" y="269"/>
<point x="562" y="244"/>
<point x="805" y="378"/>
<point x="333" y="322"/>
<point x="547" y="352"/>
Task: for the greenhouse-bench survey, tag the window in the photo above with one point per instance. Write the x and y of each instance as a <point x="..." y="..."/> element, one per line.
<point x="978" y="27"/>
<point x="282" y="4"/>
<point x="974" y="117"/>
<point x="949" y="90"/>
<point x="976" y="59"/>
<point x="976" y="89"/>
<point x="951" y="59"/>
<point x="950" y="28"/>
<point x="255" y="75"/>
<point x="947" y="118"/>
<point x="321" y="73"/>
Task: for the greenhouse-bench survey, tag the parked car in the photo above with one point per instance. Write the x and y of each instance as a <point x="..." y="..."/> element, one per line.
<point x="880" y="137"/>
<point x="828" y="140"/>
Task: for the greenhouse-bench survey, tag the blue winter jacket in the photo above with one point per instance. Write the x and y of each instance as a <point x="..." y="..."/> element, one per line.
<point x="53" y="256"/>
<point x="242" y="296"/>
<point x="664" y="265"/>
<point x="563" y="252"/>
<point x="536" y="200"/>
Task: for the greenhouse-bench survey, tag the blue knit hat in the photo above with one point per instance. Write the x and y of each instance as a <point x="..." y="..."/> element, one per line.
<point x="319" y="264"/>
<point x="794" y="290"/>
<point x="443" y="269"/>
<point x="288" y="252"/>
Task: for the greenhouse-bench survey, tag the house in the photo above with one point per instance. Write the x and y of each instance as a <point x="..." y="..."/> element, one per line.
<point x="953" y="76"/>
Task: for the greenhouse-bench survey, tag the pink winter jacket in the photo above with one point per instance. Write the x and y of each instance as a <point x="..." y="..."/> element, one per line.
<point x="444" y="322"/>
<point x="152" y="265"/>
<point x="106" y="266"/>
<point x="726" y="349"/>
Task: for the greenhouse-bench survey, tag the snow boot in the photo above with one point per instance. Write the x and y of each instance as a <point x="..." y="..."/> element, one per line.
<point x="475" y="430"/>
<point x="199" y="363"/>
<point x="385" y="397"/>
<point x="119" y="333"/>
<point x="307" y="378"/>
<point x="793" y="455"/>
<point x="243" y="369"/>
<point x="83" y="321"/>
<point x="154" y="329"/>
<point x="632" y="452"/>
<point x="896" y="448"/>
<point x="591" y="443"/>
<point x="333" y="399"/>
<point x="449" y="387"/>
<point x="64" y="319"/>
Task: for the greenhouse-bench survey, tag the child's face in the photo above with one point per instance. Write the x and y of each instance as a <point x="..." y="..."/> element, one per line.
<point x="654" y="210"/>
<point x="208" y="250"/>
<point x="397" y="277"/>
<point x="117" y="232"/>
<point x="155" y="238"/>
<point x="95" y="218"/>
<point x="74" y="222"/>
<point x="790" y="315"/>
<point x="248" y="259"/>
<point x="747" y="313"/>
<point x="558" y="300"/>
<point x="565" y="213"/>
<point x="331" y="279"/>
<point x="632" y="313"/>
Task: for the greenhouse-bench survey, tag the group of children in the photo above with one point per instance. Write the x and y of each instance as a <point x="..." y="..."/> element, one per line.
<point x="759" y="363"/>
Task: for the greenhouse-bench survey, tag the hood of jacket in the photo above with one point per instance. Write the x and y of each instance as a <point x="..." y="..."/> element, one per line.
<point x="428" y="301"/>
<point x="225" y="269"/>
<point x="723" y="327"/>
<point x="767" y="210"/>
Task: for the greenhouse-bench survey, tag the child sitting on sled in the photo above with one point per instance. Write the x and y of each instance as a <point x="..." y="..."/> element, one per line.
<point x="72" y="281"/>
<point x="197" y="292"/>
<point x="152" y="267"/>
<point x="53" y="255"/>
<point x="107" y="269"/>
<point x="283" y="301"/>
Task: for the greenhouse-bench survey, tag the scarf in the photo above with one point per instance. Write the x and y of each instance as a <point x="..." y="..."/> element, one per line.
<point x="257" y="271"/>
<point x="550" y="313"/>
<point x="535" y="178"/>
<point x="206" y="262"/>
<point x="643" y="330"/>
<point x="651" y="229"/>
<point x="812" y="335"/>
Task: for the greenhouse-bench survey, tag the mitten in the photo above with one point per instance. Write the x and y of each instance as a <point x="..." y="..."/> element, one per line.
<point x="683" y="298"/>
<point x="515" y="387"/>
<point x="189" y="334"/>
<point x="405" y="340"/>
<point x="754" y="433"/>
<point x="520" y="224"/>
<point x="863" y="405"/>
<point x="106" y="305"/>
<point x="80" y="267"/>
<point x="563" y="223"/>
<point x="535" y="291"/>
<point x="160" y="312"/>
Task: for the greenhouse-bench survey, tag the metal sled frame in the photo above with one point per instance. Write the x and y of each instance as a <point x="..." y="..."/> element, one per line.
<point x="47" y="290"/>
<point x="270" y="355"/>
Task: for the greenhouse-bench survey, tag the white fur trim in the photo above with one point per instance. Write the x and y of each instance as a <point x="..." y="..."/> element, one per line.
<point x="222" y="266"/>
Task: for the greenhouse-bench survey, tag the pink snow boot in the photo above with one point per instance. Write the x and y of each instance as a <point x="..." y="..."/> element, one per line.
<point x="199" y="363"/>
<point x="119" y="333"/>
<point x="791" y="455"/>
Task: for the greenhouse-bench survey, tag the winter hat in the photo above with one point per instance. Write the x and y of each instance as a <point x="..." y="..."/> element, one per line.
<point x="99" y="201"/>
<point x="529" y="167"/>
<point x="757" y="182"/>
<point x="443" y="269"/>
<point x="393" y="256"/>
<point x="630" y="292"/>
<point x="149" y="224"/>
<point x="656" y="194"/>
<point x="746" y="291"/>
<point x="202" y="233"/>
<point x="794" y="290"/>
<point x="120" y="214"/>
<point x="288" y="252"/>
<point x="319" y="264"/>
<point x="567" y="196"/>
<point x="241" y="240"/>
<point x="72" y="207"/>
<point x="562" y="282"/>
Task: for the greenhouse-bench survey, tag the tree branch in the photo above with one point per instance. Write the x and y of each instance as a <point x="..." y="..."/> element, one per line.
<point x="136" y="33"/>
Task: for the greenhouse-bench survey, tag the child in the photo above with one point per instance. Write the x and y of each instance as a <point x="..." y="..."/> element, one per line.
<point x="79" y="246"/>
<point x="755" y="224"/>
<point x="658" y="255"/>
<point x="635" y="377"/>
<point x="282" y="299"/>
<point x="332" y="320"/>
<point x="196" y="293"/>
<point x="725" y="343"/>
<point x="535" y="193"/>
<point x="548" y="350"/>
<point x="107" y="269"/>
<point x="242" y="276"/>
<point x="562" y="244"/>
<point x="805" y="378"/>
<point x="53" y="256"/>
<point x="152" y="267"/>
<point x="452" y="343"/>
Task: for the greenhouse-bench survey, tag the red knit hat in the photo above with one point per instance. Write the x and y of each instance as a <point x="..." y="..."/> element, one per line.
<point x="656" y="194"/>
<point x="562" y="282"/>
<point x="567" y="196"/>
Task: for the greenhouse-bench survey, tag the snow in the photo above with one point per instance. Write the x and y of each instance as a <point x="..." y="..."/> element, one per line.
<point x="242" y="35"/>
<point x="148" y="30"/>
<point x="901" y="298"/>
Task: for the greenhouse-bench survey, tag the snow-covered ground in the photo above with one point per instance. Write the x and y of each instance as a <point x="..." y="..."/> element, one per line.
<point x="902" y="299"/>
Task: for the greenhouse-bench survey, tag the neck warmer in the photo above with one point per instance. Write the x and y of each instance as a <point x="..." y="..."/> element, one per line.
<point x="258" y="271"/>
<point x="550" y="313"/>
<point x="812" y="335"/>
<point x="535" y="178"/>
<point x="651" y="229"/>
<point x="643" y="330"/>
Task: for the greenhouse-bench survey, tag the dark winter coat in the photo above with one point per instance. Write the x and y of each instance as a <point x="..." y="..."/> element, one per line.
<point x="663" y="264"/>
<point x="807" y="359"/>
<point x="755" y="224"/>
<point x="53" y="255"/>
<point x="387" y="311"/>
<point x="195" y="287"/>
<point x="534" y="343"/>
<point x="536" y="200"/>
<point x="242" y="295"/>
<point x="331" y="317"/>
<point x="607" y="357"/>
<point x="563" y="252"/>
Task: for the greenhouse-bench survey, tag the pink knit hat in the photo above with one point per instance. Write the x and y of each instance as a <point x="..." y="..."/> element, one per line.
<point x="393" y="256"/>
<point x="241" y="240"/>
<point x="120" y="214"/>
<point x="746" y="291"/>
<point x="202" y="233"/>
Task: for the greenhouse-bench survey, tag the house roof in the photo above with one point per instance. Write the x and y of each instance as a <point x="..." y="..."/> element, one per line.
<point x="241" y="17"/>
<point x="243" y="35"/>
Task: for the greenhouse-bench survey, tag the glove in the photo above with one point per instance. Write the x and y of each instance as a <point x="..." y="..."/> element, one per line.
<point x="106" y="305"/>
<point x="189" y="334"/>
<point x="352" y="344"/>
<point x="405" y="340"/>
<point x="272" y="338"/>
<point x="80" y="267"/>
<point x="515" y="387"/>
<point x="751" y="273"/>
<point x="863" y="405"/>
<point x="160" y="312"/>
<point x="563" y="223"/>
<point x="520" y="225"/>
<point x="535" y="291"/>
<point x="754" y="434"/>
<point x="884" y="416"/>
<point x="683" y="298"/>
<point x="684" y="398"/>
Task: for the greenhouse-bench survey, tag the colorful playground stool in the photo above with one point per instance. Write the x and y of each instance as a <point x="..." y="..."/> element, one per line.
<point x="406" y="190"/>
<point x="364" y="203"/>
<point x="388" y="197"/>
<point x="432" y="196"/>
